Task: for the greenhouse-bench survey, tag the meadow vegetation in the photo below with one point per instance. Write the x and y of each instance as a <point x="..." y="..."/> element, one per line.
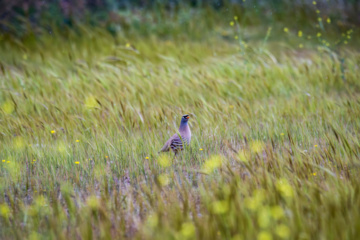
<point x="275" y="132"/>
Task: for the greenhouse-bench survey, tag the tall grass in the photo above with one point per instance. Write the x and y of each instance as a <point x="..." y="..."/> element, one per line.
<point x="274" y="153"/>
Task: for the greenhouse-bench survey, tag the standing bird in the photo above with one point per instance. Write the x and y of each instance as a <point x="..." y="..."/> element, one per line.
<point x="176" y="142"/>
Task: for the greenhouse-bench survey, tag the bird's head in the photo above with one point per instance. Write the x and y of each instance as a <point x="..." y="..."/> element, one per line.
<point x="185" y="118"/>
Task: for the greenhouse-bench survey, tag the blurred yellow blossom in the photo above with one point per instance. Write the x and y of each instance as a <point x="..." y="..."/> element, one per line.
<point x="286" y="29"/>
<point x="90" y="102"/>
<point x="18" y="142"/>
<point x="213" y="163"/>
<point x="318" y="34"/>
<point x="187" y="229"/>
<point x="301" y="45"/>
<point x="314" y="174"/>
<point x="77" y="141"/>
<point x="264" y="217"/>
<point x="128" y="45"/>
<point x="146" y="157"/>
<point x="163" y="179"/>
<point x="8" y="107"/>
<point x="319" y="19"/>
<point x="282" y="231"/>
<point x="264" y="236"/>
<point x="200" y="149"/>
<point x="345" y="42"/>
<point x="164" y="161"/>
<point x="232" y="23"/>
<point x="254" y="202"/>
<point x="4" y="210"/>
<point x="282" y="134"/>
<point x="243" y="156"/>
<point x="235" y="18"/>
<point x="236" y="37"/>
<point x="328" y="20"/>
<point x="314" y="2"/>
<point x="53" y="131"/>
<point x="220" y="207"/>
<point x="77" y="162"/>
<point x="317" y="11"/>
<point x="300" y="33"/>
<point x="315" y="145"/>
<point x="284" y="188"/>
<point x="256" y="146"/>
<point x="277" y="212"/>
<point x="152" y="220"/>
<point x="3" y="160"/>
<point x="93" y="202"/>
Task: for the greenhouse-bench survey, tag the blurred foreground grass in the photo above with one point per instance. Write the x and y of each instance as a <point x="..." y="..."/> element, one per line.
<point x="275" y="149"/>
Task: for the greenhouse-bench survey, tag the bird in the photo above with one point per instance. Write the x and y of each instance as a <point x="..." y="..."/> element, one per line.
<point x="177" y="142"/>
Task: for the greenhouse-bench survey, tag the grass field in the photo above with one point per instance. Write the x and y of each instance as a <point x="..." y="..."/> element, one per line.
<point x="274" y="153"/>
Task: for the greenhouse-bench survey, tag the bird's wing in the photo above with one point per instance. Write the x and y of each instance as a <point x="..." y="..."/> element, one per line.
<point x="174" y="142"/>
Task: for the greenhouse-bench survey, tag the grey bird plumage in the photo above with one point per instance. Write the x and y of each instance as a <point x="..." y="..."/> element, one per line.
<point x="176" y="143"/>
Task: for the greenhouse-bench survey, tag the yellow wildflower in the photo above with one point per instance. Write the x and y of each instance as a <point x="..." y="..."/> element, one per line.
<point x="8" y="107"/>
<point x="236" y="37"/>
<point x="264" y="236"/>
<point x="53" y="131"/>
<point x="314" y="174"/>
<point x="91" y="102"/>
<point x="301" y="45"/>
<point x="146" y="157"/>
<point x="318" y="34"/>
<point x="300" y="33"/>
<point x="277" y="212"/>
<point x="286" y="29"/>
<point x="77" y="162"/>
<point x="256" y="146"/>
<point x="315" y="145"/>
<point x="213" y="163"/>
<point x="317" y="11"/>
<point x="187" y="229"/>
<point x="128" y="45"/>
<point x="319" y="19"/>
<point x="3" y="160"/>
<point x="164" y="161"/>
<point x="282" y="231"/>
<point x="5" y="210"/>
<point x="282" y="134"/>
<point x="314" y="2"/>
<point x="163" y="179"/>
<point x="232" y="23"/>
<point x="284" y="188"/>
<point x="200" y="149"/>
<point x="345" y="42"/>
<point x="77" y="140"/>
<point x="264" y="217"/>
<point x="235" y="18"/>
<point x="220" y="207"/>
<point x="243" y="156"/>
<point x="328" y="20"/>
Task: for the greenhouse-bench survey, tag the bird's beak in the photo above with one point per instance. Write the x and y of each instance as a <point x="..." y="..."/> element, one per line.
<point x="187" y="117"/>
